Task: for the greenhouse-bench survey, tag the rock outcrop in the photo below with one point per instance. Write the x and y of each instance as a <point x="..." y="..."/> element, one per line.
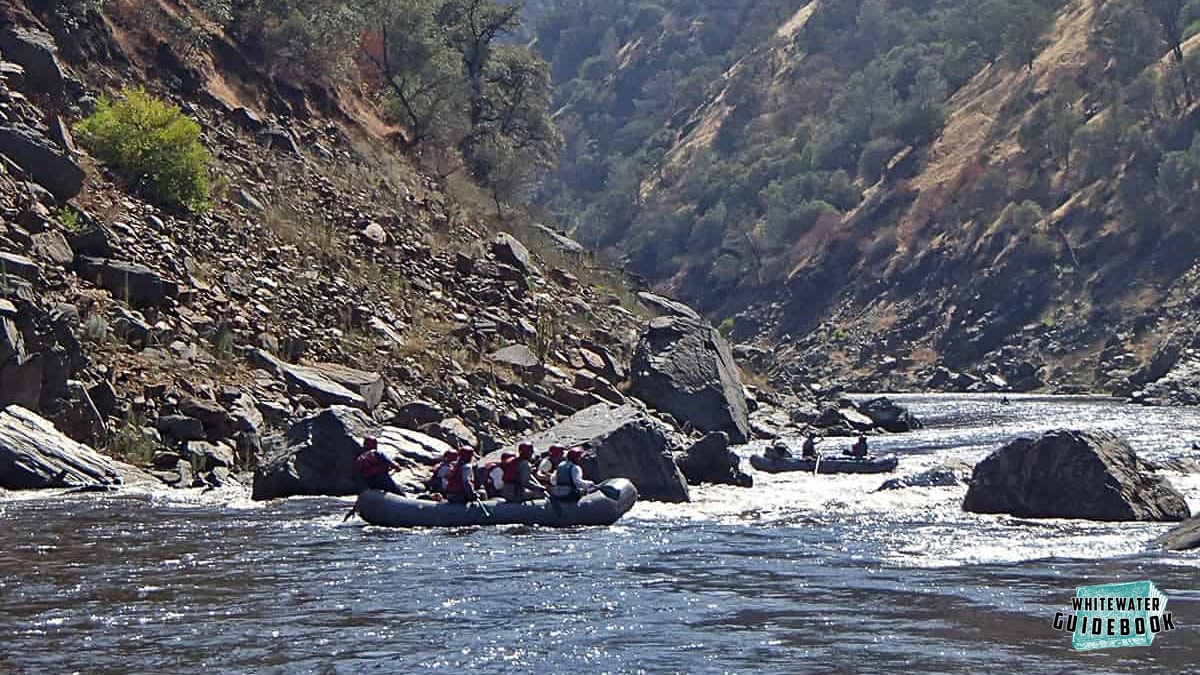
<point x="685" y="368"/>
<point x="45" y="163"/>
<point x="33" y="455"/>
<point x="888" y="415"/>
<point x="1072" y="474"/>
<point x="1184" y="537"/>
<point x="710" y="460"/>
<point x="623" y="442"/>
<point x="946" y="475"/>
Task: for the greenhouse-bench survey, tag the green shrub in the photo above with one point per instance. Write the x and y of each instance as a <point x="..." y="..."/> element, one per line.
<point x="154" y="145"/>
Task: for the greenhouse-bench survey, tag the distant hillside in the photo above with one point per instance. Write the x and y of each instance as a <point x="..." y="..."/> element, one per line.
<point x="888" y="187"/>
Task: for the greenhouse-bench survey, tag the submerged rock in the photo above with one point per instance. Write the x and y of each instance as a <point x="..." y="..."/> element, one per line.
<point x="624" y="443"/>
<point x="947" y="475"/>
<point x="1183" y="537"/>
<point x="1072" y="474"/>
<point x="684" y="367"/>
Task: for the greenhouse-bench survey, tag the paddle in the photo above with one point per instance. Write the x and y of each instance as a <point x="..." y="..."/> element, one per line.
<point x="817" y="466"/>
<point x="608" y="491"/>
<point x="353" y="510"/>
<point x="486" y="514"/>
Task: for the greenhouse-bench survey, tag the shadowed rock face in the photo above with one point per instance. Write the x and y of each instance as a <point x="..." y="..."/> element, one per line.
<point x="318" y="458"/>
<point x="33" y="454"/>
<point x="1072" y="474"/>
<point x="685" y="368"/>
<point x="710" y="460"/>
<point x="623" y="443"/>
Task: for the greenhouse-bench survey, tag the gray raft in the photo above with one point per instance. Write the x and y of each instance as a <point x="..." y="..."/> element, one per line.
<point x="603" y="507"/>
<point x="883" y="464"/>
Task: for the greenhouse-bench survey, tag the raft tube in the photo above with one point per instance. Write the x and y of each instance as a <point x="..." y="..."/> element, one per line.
<point x="603" y="507"/>
<point x="884" y="464"/>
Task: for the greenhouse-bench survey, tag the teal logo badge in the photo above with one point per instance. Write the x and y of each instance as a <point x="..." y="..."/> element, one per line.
<point x="1115" y="615"/>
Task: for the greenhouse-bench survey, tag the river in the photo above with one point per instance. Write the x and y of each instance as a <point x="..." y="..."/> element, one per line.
<point x="801" y="574"/>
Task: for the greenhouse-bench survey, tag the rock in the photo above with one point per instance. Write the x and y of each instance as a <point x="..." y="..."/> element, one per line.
<point x="1184" y="537"/>
<point x="517" y="356"/>
<point x="889" y="416"/>
<point x="44" y="162"/>
<point x="624" y="443"/>
<point x="318" y="457"/>
<point x="33" y="455"/>
<point x="1072" y="474"/>
<point x="453" y="431"/>
<point x="668" y="306"/>
<point x="35" y="51"/>
<point x="209" y="455"/>
<point x="77" y="416"/>
<point x="416" y="414"/>
<point x="310" y="381"/>
<point x="216" y="421"/>
<point x="181" y="428"/>
<point x="1180" y="386"/>
<point x="945" y="475"/>
<point x="104" y="396"/>
<point x="139" y="285"/>
<point x="509" y="251"/>
<point x="685" y="368"/>
<point x="370" y="386"/>
<point x="95" y="242"/>
<point x="1184" y="465"/>
<point x="52" y="247"/>
<point x="165" y="460"/>
<point x="375" y="234"/>
<point x="711" y="461"/>
<point x="19" y="266"/>
<point x="844" y="420"/>
<point x="560" y="241"/>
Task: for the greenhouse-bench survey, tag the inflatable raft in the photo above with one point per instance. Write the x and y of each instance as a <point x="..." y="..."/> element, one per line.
<point x="603" y="507"/>
<point x="883" y="464"/>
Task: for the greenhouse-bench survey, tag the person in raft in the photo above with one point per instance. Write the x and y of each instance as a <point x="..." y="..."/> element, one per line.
<point x="376" y="468"/>
<point x="460" y="485"/>
<point x="436" y="485"/>
<point x="859" y="450"/>
<point x="809" y="449"/>
<point x="493" y="475"/>
<point x="519" y="484"/>
<point x="569" y="483"/>
<point x="549" y="464"/>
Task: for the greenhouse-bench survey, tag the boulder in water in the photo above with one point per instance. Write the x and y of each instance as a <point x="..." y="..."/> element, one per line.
<point x="946" y="475"/>
<point x="685" y="368"/>
<point x="34" y="455"/>
<point x="711" y="461"/>
<point x="888" y="415"/>
<point x="624" y="443"/>
<point x="1072" y="474"/>
<point x="318" y="457"/>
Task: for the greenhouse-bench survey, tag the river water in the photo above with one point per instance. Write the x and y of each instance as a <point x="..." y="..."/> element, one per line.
<point x="802" y="574"/>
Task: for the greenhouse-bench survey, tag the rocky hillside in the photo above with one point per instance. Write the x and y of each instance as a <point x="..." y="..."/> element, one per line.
<point x="329" y="270"/>
<point x="885" y="193"/>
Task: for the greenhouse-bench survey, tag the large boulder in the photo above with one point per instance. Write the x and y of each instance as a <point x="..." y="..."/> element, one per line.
<point x="624" y="443"/>
<point x="710" y="460"/>
<point x="45" y="163"/>
<point x="319" y="453"/>
<point x="684" y="367"/>
<point x="1072" y="474"/>
<point x="33" y="455"/>
<point x="510" y="251"/>
<point x="668" y="306"/>
<point x="1179" y="386"/>
<point x="370" y="386"/>
<point x="889" y="415"/>
<point x="944" y="475"/>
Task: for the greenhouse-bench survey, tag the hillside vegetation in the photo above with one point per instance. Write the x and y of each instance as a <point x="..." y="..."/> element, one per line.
<point x="889" y="186"/>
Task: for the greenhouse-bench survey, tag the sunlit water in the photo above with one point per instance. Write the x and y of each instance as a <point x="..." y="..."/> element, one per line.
<point x="800" y="574"/>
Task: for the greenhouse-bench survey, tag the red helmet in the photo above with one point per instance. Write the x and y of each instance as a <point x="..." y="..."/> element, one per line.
<point x="370" y="443"/>
<point x="449" y="456"/>
<point x="466" y="452"/>
<point x="507" y="457"/>
<point x="525" y="450"/>
<point x="556" y="451"/>
<point x="575" y="455"/>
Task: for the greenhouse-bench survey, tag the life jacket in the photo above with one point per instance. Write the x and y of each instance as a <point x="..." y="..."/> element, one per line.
<point x="511" y="469"/>
<point x="434" y="481"/>
<point x="371" y="463"/>
<point x="455" y="485"/>
<point x="562" y="475"/>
